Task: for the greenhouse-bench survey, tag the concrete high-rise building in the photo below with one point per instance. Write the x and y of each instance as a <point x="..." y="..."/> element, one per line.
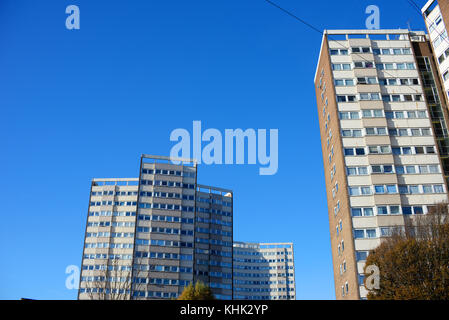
<point x="383" y="126"/>
<point x="436" y="18"/>
<point x="149" y="237"/>
<point x="264" y="271"/>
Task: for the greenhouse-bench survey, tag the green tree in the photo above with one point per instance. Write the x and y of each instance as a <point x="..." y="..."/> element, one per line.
<point x="198" y="292"/>
<point x="414" y="261"/>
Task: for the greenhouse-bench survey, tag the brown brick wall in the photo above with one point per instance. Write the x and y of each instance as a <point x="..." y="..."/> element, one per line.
<point x="349" y="253"/>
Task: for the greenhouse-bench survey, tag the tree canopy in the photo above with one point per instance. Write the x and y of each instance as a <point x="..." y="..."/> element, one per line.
<point x="198" y="292"/>
<point x="414" y="262"/>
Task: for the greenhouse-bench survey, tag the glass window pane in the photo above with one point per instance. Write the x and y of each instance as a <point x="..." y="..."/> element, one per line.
<point x="368" y="212"/>
<point x="407" y="210"/>
<point x="394" y="209"/>
<point x="371" y="233"/>
<point x="392" y="189"/>
<point x="356" y="212"/>
<point x="359" y="234"/>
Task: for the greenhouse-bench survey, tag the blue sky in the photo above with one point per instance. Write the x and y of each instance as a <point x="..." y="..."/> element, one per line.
<point x="79" y="104"/>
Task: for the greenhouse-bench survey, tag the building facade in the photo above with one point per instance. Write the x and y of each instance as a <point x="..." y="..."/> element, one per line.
<point x="149" y="237"/>
<point x="383" y="123"/>
<point x="436" y="18"/>
<point x="264" y="271"/>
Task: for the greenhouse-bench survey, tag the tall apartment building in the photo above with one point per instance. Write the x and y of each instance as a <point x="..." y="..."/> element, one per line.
<point x="436" y="18"/>
<point x="264" y="271"/>
<point x="382" y="119"/>
<point x="149" y="237"/>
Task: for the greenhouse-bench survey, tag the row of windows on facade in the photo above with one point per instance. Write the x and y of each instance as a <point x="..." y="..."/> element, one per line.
<point x="149" y="268"/>
<point x="111" y="224"/>
<point x="215" y="274"/>
<point x="349" y="82"/>
<point x="190" y="174"/>
<point x="165" y="206"/>
<point x="215" y="263"/>
<point x="389" y="209"/>
<point x="376" y="113"/>
<point x="390" y="168"/>
<point x="104" y="290"/>
<point x="384" y="210"/>
<point x="183" y="220"/>
<point x="251" y="282"/>
<point x="376" y="51"/>
<point x="170" y="243"/>
<point x="256" y="253"/>
<point x="185" y="197"/>
<point x="261" y="260"/>
<point x="153" y="230"/>
<point x="370" y="233"/>
<point x="154" y="205"/>
<point x="384" y="131"/>
<point x="163" y="255"/>
<point x="261" y="275"/>
<point x="113" y="193"/>
<point x="158" y="294"/>
<point x="112" y="213"/>
<point x="112" y="203"/>
<point x="375" y="96"/>
<point x="246" y="267"/>
<point x="237" y="289"/>
<point x="165" y="183"/>
<point x="379" y="113"/>
<point x="257" y="297"/>
<point x="184" y="232"/>
<point x="395" y="189"/>
<point x="372" y="65"/>
<point x="409" y="150"/>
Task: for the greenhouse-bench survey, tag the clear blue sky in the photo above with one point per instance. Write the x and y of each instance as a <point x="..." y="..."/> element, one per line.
<point x="82" y="104"/>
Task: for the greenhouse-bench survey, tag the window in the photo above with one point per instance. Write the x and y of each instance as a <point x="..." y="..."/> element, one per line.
<point x="379" y="189"/>
<point x="354" y="171"/>
<point x="370" y="233"/>
<point x="363" y="64"/>
<point x="354" y="151"/>
<point x="341" y="66"/>
<point x="359" y="234"/>
<point x="349" y="115"/>
<point x="382" y="210"/>
<point x="344" y="82"/>
<point x="362" y="212"/>
<point x="394" y="209"/>
<point x="364" y="233"/>
<point x="379" y="149"/>
<point x="348" y="98"/>
<point x="352" y="133"/>
<point x="342" y="52"/>
<point x="357" y="191"/>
